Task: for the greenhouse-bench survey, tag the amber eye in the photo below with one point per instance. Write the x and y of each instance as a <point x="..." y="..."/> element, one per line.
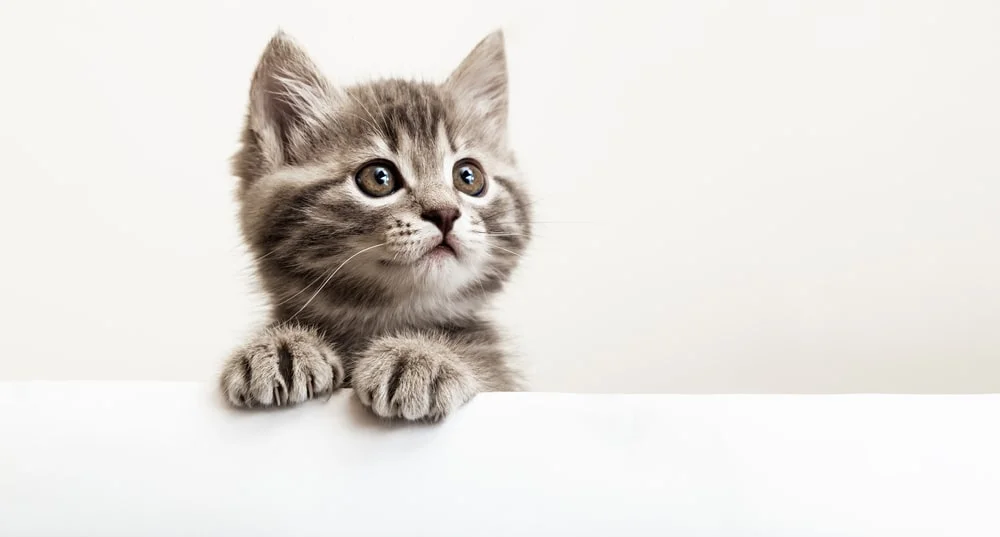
<point x="378" y="179"/>
<point x="469" y="178"/>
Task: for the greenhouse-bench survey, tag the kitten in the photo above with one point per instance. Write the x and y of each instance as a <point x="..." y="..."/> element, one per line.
<point x="383" y="217"/>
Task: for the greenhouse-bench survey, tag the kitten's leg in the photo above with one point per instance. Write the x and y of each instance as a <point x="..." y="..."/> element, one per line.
<point x="280" y="366"/>
<point x="426" y="376"/>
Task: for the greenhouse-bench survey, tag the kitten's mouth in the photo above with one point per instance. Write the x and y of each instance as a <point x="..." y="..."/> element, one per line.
<point x="434" y="255"/>
<point x="443" y="249"/>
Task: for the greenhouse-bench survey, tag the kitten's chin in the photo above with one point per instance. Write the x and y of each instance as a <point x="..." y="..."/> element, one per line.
<point x="442" y="270"/>
<point x="441" y="258"/>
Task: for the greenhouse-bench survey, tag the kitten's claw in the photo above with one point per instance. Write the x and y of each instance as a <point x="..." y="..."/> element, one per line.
<point x="412" y="378"/>
<point x="281" y="366"/>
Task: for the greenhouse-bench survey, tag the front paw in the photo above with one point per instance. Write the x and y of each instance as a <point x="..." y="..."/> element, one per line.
<point x="413" y="378"/>
<point x="283" y="365"/>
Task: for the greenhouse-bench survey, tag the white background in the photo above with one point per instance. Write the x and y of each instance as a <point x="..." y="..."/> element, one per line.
<point x="118" y="459"/>
<point x="734" y="196"/>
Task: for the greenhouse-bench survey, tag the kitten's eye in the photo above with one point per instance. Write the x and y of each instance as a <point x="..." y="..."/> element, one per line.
<point x="469" y="178"/>
<point x="378" y="179"/>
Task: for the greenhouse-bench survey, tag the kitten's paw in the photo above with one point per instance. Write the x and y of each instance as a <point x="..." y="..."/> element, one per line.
<point x="281" y="366"/>
<point x="413" y="378"/>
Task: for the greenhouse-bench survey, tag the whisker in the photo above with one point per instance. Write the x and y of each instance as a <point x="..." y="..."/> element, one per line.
<point x="491" y="215"/>
<point x="516" y="207"/>
<point x="506" y="250"/>
<point x="548" y="222"/>
<point x="310" y="284"/>
<point x="330" y="277"/>
<point x="244" y="249"/>
<point x="265" y="256"/>
<point x="365" y="108"/>
<point x="378" y="107"/>
<point x="510" y="234"/>
<point x="363" y="119"/>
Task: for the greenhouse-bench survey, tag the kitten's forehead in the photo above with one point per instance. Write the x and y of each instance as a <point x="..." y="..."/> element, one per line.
<point x="402" y="109"/>
<point x="408" y="121"/>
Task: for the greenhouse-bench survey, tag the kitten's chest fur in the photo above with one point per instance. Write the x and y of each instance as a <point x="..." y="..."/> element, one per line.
<point x="349" y="325"/>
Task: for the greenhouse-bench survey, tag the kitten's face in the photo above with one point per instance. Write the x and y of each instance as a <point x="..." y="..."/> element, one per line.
<point x="392" y="187"/>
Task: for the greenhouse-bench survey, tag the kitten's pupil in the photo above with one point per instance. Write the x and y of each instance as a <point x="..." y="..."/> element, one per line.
<point x="467" y="175"/>
<point x="382" y="176"/>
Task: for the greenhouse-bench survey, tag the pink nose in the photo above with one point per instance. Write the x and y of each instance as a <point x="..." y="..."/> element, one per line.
<point x="444" y="219"/>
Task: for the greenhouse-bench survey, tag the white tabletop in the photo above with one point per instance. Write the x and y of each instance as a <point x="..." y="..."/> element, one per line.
<point x="159" y="459"/>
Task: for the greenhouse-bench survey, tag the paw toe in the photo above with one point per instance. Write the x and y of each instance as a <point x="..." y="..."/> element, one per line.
<point x="412" y="386"/>
<point x="278" y="371"/>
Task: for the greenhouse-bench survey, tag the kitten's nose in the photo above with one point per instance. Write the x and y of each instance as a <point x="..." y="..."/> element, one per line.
<point x="444" y="219"/>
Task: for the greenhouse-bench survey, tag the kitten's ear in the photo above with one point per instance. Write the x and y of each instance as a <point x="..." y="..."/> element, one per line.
<point x="480" y="81"/>
<point x="290" y="102"/>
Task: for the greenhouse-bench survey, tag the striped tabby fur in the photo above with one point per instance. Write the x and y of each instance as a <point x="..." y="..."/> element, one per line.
<point x="361" y="294"/>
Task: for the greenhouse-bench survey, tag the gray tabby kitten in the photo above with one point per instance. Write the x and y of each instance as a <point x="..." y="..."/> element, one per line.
<point x="383" y="217"/>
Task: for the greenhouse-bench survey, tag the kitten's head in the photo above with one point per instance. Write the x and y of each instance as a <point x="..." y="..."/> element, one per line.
<point x="399" y="187"/>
